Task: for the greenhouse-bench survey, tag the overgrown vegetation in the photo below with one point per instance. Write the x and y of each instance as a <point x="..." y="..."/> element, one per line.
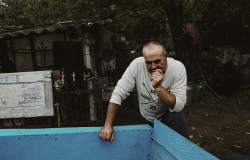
<point x="138" y="18"/>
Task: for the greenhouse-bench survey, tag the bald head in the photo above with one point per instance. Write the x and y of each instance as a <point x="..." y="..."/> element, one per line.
<point x="154" y="55"/>
<point x="154" y="45"/>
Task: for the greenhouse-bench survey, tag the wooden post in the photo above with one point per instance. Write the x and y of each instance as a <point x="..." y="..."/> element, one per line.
<point x="88" y="59"/>
<point x="84" y="55"/>
<point x="58" y="117"/>
<point x="101" y="107"/>
<point x="12" y="52"/>
<point x="58" y="114"/>
<point x="65" y="36"/>
<point x="49" y="122"/>
<point x="33" y="52"/>
<point x="4" y="57"/>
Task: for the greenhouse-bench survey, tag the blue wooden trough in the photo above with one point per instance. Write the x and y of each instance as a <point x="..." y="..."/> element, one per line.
<point x="138" y="142"/>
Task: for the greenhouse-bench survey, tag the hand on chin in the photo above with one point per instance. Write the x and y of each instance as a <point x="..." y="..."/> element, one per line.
<point x="157" y="76"/>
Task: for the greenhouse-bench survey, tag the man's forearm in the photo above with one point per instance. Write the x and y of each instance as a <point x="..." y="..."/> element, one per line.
<point x="112" y="109"/>
<point x="167" y="98"/>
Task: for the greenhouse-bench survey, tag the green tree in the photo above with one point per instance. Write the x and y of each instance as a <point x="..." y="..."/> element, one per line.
<point x="149" y="18"/>
<point x="226" y="18"/>
<point x="135" y="18"/>
<point x="141" y="18"/>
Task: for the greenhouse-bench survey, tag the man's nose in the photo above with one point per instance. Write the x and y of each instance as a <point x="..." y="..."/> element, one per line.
<point x="153" y="66"/>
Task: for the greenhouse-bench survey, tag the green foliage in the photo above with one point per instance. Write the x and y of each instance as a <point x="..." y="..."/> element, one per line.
<point x="141" y="18"/>
<point x="219" y="14"/>
<point x="17" y="12"/>
<point x="133" y="18"/>
<point x="128" y="13"/>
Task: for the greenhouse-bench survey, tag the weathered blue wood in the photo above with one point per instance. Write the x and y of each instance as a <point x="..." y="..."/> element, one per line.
<point x="26" y="94"/>
<point x="131" y="142"/>
<point x="168" y="144"/>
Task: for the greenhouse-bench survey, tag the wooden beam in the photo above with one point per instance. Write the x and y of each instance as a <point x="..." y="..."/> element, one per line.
<point x="33" y="52"/>
<point x="82" y="92"/>
<point x="101" y="107"/>
<point x="4" y="57"/>
<point x="79" y="124"/>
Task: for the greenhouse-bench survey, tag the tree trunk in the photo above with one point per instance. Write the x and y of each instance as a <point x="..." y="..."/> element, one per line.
<point x="175" y="18"/>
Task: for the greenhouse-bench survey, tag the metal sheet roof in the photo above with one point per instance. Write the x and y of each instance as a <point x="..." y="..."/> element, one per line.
<point x="14" y="31"/>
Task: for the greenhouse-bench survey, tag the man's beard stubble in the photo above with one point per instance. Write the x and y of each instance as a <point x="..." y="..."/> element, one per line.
<point x="151" y="70"/>
<point x="162" y="68"/>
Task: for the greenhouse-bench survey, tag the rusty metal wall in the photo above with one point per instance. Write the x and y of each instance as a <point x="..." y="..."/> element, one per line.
<point x="74" y="107"/>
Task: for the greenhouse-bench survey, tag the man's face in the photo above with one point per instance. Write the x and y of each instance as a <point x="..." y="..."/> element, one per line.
<point x="154" y="59"/>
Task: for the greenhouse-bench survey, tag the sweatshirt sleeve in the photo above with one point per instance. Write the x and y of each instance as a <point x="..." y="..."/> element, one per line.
<point x="179" y="90"/>
<point x="125" y="85"/>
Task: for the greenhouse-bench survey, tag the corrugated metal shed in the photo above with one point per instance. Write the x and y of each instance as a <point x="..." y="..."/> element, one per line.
<point x="13" y="31"/>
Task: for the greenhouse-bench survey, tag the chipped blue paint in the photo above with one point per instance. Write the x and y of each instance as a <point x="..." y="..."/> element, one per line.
<point x="167" y="144"/>
<point x="131" y="142"/>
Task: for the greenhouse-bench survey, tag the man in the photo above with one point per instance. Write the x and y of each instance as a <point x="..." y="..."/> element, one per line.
<point x="161" y="86"/>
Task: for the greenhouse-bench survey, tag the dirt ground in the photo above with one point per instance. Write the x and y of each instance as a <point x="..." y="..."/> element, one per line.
<point x="222" y="125"/>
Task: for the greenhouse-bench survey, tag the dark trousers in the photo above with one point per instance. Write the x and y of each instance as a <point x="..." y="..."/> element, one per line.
<point x="236" y="157"/>
<point x="174" y="120"/>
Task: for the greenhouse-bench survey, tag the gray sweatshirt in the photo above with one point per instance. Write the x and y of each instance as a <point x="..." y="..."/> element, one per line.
<point x="151" y="106"/>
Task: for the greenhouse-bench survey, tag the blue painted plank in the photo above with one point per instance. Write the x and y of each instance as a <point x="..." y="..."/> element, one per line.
<point x="131" y="142"/>
<point x="169" y="144"/>
<point x="67" y="130"/>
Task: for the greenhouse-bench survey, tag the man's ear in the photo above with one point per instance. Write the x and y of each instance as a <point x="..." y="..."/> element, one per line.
<point x="166" y="55"/>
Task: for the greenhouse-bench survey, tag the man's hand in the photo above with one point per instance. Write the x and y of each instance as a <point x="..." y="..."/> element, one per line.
<point x="157" y="76"/>
<point x="107" y="133"/>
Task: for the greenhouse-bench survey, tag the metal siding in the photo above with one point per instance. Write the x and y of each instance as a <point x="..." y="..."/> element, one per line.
<point x="15" y="31"/>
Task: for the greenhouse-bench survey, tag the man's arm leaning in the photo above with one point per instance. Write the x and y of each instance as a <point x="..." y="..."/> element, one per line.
<point x="124" y="86"/>
<point x="107" y="132"/>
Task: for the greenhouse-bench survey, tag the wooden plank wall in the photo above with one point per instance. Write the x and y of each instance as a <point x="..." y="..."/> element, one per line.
<point x="26" y="94"/>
